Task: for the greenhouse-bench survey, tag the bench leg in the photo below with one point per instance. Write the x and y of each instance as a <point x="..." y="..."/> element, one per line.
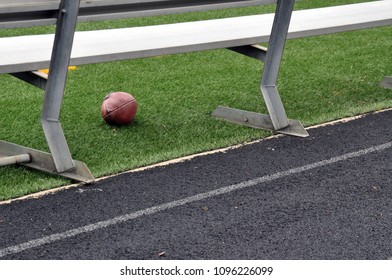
<point x="277" y="119"/>
<point x="59" y="161"/>
<point x="55" y="87"/>
<point x="35" y="78"/>
<point x="271" y="70"/>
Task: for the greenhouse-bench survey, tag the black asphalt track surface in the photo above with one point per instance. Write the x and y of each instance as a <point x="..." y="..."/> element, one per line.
<point x="328" y="196"/>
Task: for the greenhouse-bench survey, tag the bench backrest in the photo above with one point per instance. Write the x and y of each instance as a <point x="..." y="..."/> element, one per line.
<point x="25" y="13"/>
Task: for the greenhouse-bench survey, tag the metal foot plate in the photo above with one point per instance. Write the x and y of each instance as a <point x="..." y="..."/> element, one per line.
<point x="387" y="82"/>
<point x="257" y="120"/>
<point x="44" y="162"/>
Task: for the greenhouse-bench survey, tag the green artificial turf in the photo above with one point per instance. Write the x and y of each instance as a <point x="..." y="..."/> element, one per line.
<point x="321" y="79"/>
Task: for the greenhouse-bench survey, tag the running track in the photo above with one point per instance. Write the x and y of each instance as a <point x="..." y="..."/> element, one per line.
<point x="328" y="196"/>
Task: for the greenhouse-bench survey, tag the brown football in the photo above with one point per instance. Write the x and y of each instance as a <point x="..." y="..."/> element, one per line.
<point x="119" y="108"/>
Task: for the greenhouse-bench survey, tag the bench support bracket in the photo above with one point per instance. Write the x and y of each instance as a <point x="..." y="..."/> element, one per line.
<point x="254" y="51"/>
<point x="257" y="120"/>
<point x="34" y="78"/>
<point x="41" y="161"/>
<point x="272" y="58"/>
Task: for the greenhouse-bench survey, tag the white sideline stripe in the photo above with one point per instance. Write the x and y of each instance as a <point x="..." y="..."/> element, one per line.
<point x="162" y="207"/>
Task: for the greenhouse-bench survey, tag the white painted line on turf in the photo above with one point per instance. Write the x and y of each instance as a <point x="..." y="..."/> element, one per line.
<point x="162" y="207"/>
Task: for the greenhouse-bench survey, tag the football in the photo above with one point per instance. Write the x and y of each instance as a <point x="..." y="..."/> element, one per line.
<point x="119" y="108"/>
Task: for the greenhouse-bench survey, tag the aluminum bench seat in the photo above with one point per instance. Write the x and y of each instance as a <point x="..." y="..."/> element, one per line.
<point x="32" y="52"/>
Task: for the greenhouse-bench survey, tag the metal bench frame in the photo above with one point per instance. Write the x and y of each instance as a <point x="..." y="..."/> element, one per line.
<point x="59" y="161"/>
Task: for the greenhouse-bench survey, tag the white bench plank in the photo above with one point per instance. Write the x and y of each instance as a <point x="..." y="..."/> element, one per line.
<point x="27" y="53"/>
<point x="26" y="13"/>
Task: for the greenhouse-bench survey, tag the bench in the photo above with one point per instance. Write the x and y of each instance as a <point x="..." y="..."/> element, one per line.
<point x="22" y="56"/>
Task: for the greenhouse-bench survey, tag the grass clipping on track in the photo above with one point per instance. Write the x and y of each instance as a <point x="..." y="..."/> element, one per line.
<point x="321" y="79"/>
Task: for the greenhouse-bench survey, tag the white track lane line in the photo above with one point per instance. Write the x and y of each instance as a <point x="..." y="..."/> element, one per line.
<point x="162" y="207"/>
